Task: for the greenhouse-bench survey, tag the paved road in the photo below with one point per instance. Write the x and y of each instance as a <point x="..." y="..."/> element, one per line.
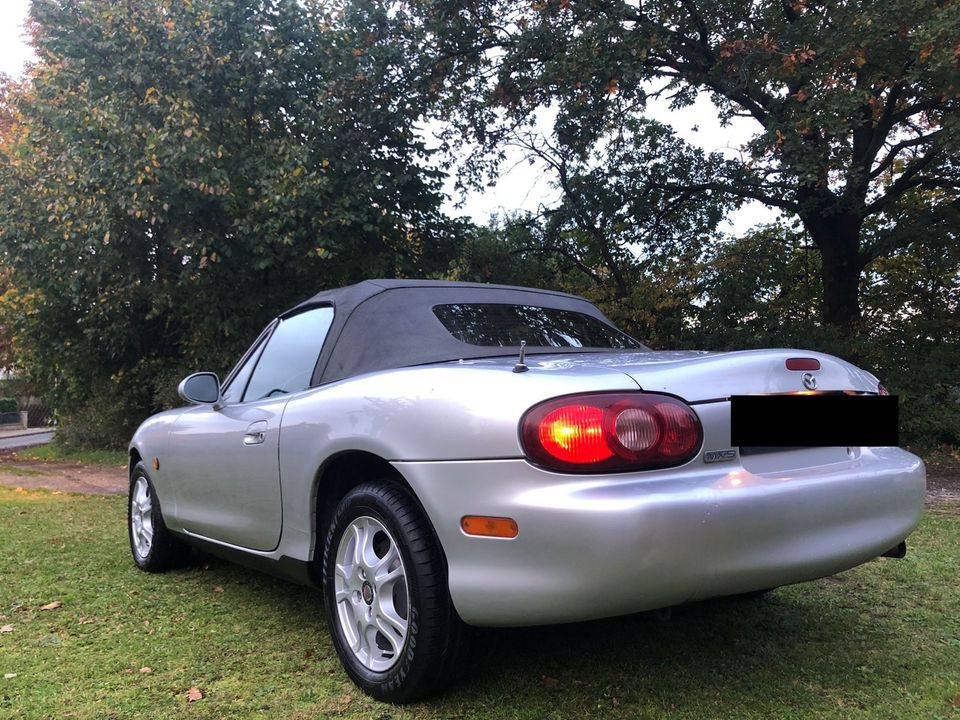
<point x="22" y="441"/>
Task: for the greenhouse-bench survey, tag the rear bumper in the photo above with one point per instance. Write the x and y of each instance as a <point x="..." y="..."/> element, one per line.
<point x="608" y="545"/>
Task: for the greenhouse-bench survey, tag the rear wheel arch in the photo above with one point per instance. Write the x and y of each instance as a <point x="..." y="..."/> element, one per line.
<point x="360" y="488"/>
<point x="338" y="476"/>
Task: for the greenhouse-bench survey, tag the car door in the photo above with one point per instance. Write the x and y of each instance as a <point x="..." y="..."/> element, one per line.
<point x="226" y="459"/>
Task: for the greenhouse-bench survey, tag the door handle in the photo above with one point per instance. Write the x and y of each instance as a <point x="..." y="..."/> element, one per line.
<point x="255" y="433"/>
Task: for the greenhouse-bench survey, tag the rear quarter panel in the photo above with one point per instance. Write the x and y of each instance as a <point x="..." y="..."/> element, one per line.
<point x="455" y="411"/>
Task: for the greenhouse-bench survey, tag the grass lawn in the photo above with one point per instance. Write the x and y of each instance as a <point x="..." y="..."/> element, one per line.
<point x="55" y="453"/>
<point x="880" y="641"/>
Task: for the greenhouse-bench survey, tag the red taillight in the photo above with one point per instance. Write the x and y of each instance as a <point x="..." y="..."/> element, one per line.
<point x="574" y="434"/>
<point x="803" y="364"/>
<point x="610" y="432"/>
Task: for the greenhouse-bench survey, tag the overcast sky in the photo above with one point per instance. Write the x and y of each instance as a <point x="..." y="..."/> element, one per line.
<point x="521" y="186"/>
<point x="14" y="51"/>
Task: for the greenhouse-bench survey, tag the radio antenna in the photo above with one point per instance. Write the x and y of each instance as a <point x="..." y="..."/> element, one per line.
<point x="521" y="366"/>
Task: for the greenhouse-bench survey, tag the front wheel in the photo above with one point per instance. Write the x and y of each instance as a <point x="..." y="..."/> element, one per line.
<point x="385" y="595"/>
<point x="153" y="547"/>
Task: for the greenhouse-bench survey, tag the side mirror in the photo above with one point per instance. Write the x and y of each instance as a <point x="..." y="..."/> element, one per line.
<point x="202" y="388"/>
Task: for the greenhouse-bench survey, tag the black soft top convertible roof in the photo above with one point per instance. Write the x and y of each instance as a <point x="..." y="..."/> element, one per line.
<point x="383" y="324"/>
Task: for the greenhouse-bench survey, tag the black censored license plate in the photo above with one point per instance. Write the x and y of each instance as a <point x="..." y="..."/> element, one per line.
<point x="813" y="420"/>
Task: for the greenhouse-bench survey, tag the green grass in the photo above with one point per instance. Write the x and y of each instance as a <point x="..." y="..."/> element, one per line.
<point x="880" y="641"/>
<point x="56" y="453"/>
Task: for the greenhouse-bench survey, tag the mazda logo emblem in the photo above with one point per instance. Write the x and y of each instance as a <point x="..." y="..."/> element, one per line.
<point x="809" y="381"/>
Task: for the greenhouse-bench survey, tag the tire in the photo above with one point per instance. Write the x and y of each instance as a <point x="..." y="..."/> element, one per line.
<point x="154" y="548"/>
<point x="388" y="607"/>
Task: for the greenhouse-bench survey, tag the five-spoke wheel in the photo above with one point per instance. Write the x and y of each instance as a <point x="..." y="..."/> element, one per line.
<point x="371" y="592"/>
<point x="141" y="517"/>
<point x="153" y="547"/>
<point x="386" y="597"/>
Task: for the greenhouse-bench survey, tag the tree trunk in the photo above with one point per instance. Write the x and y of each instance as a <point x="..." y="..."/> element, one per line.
<point x="838" y="239"/>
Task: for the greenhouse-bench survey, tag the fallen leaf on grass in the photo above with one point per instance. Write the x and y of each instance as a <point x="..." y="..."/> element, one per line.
<point x="194" y="694"/>
<point x="956" y="701"/>
<point x="9" y="676"/>
<point x="218" y="589"/>
<point x="146" y="670"/>
<point x="56" y="604"/>
<point x="549" y="682"/>
<point x="6" y="629"/>
<point x="307" y="654"/>
<point x="86" y="621"/>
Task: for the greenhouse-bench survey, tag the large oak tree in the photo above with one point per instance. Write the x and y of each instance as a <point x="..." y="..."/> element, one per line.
<point x="855" y="103"/>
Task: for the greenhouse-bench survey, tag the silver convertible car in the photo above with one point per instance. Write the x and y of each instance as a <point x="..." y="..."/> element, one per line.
<point x="437" y="455"/>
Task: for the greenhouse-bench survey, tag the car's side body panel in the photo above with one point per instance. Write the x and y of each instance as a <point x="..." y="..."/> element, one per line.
<point x="444" y="412"/>
<point x="152" y="439"/>
<point x="216" y="487"/>
<point x="225" y="472"/>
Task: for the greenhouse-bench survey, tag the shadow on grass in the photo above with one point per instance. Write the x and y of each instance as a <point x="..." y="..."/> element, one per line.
<point x="805" y="646"/>
<point x="778" y="644"/>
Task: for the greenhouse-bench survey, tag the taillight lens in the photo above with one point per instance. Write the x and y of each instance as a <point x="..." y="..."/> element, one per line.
<point x="603" y="432"/>
<point x="882" y="390"/>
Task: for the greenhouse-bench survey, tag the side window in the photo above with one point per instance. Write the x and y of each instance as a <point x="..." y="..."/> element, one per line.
<point x="287" y="362"/>
<point x="234" y="390"/>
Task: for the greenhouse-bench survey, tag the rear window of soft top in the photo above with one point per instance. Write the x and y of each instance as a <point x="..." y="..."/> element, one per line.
<point x="499" y="325"/>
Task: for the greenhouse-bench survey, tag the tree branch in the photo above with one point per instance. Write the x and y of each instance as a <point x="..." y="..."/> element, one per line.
<point x="895" y="150"/>
<point x="904" y="182"/>
<point x="738" y="191"/>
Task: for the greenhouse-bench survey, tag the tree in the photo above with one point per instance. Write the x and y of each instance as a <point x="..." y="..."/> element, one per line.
<point x="181" y="171"/>
<point x="620" y="233"/>
<point x="620" y="204"/>
<point x="756" y="291"/>
<point x="856" y="103"/>
<point x="759" y="290"/>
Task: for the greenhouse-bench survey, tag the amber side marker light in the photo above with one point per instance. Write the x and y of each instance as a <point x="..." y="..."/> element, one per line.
<point x="485" y="526"/>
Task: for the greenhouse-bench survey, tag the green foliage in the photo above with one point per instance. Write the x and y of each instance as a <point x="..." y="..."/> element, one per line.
<point x="618" y="234"/>
<point x="760" y="290"/>
<point x="855" y="103"/>
<point x="176" y="173"/>
<point x="503" y="253"/>
<point x="8" y="405"/>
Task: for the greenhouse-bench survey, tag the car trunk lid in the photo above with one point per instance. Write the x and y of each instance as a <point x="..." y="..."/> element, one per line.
<point x="709" y="379"/>
<point x="704" y="376"/>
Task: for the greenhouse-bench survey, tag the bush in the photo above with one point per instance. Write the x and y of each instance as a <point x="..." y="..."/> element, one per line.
<point x="8" y="405"/>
